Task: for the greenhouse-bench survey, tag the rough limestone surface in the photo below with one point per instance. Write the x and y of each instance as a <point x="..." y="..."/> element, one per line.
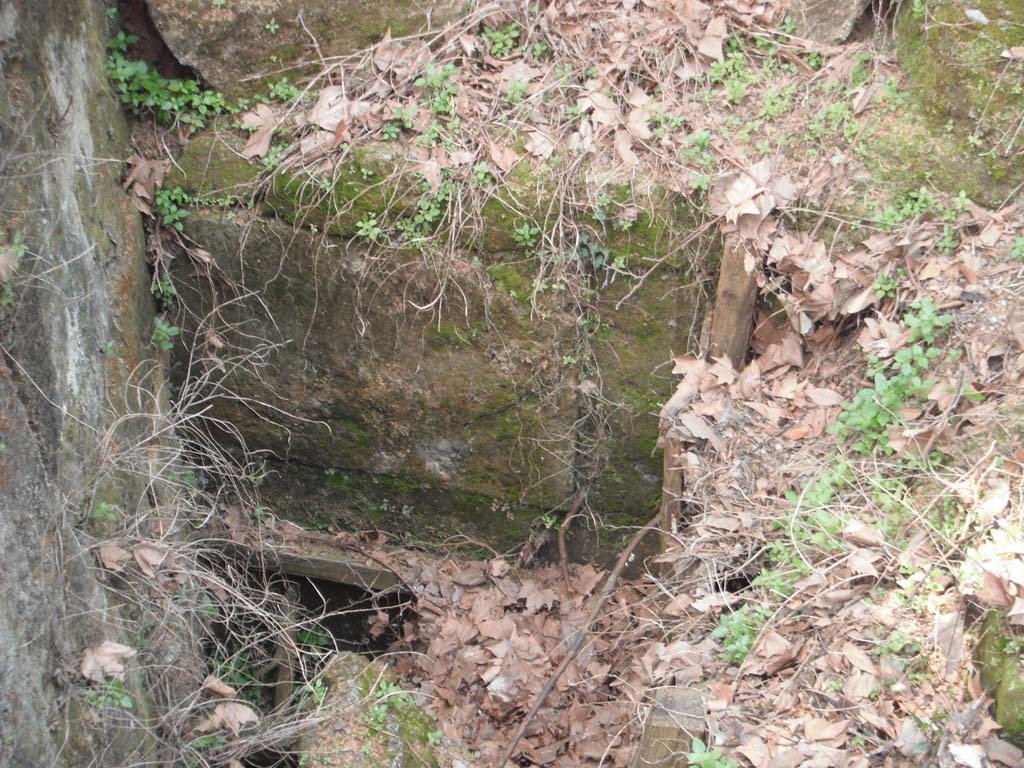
<point x="963" y="133"/>
<point x="368" y="722"/>
<point x="378" y="409"/>
<point x="471" y="420"/>
<point x="829" y="22"/>
<point x="1001" y="672"/>
<point x="79" y="323"/>
<point x="239" y="46"/>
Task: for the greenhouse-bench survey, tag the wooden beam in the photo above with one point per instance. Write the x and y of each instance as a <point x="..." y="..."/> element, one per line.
<point x="671" y="491"/>
<point x="675" y="720"/>
<point x="732" y="318"/>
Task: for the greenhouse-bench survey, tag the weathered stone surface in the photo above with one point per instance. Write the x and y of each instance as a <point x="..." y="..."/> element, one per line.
<point x="999" y="662"/>
<point x="828" y="22"/>
<point x="239" y="46"/>
<point x="472" y="422"/>
<point x="369" y="723"/>
<point x="390" y="407"/>
<point x="78" y="326"/>
<point x="969" y="95"/>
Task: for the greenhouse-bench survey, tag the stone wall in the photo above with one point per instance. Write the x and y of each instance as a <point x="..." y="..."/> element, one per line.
<point x="78" y="326"/>
<point x="473" y="417"/>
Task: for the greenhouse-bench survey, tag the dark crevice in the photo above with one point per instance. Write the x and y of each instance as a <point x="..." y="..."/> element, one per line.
<point x="150" y="46"/>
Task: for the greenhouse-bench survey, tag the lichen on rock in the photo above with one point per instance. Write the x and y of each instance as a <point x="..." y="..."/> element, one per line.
<point x="238" y="47"/>
<point x="368" y="722"/>
<point x="998" y="655"/>
<point x="969" y="92"/>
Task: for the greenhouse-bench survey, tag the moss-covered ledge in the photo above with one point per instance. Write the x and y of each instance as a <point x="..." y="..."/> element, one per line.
<point x="970" y="97"/>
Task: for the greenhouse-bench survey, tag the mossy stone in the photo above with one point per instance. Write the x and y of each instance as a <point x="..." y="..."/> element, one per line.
<point x="1002" y="672"/>
<point x="970" y="96"/>
<point x="367" y="723"/>
<point x="240" y="47"/>
<point x="211" y="166"/>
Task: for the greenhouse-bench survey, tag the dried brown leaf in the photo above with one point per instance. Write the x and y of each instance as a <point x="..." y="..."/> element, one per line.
<point x="105" y="660"/>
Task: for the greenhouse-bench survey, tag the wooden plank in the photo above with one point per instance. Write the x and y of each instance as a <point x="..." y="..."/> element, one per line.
<point x="675" y="720"/>
<point x="671" y="491"/>
<point x="732" y="318"/>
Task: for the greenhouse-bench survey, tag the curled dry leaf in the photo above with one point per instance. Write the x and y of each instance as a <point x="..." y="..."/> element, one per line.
<point x="218" y="687"/>
<point x="113" y="557"/>
<point x="261" y="120"/>
<point x="540" y="145"/>
<point x="624" y="148"/>
<point x="503" y="157"/>
<point x="150" y="555"/>
<point x="105" y="660"/>
<point x="144" y="178"/>
<point x="232" y="715"/>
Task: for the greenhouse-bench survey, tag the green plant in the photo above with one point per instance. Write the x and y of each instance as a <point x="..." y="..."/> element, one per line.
<point x="431" y="208"/>
<point x="170" y="206"/>
<point x="282" y="90"/>
<point x="143" y="89"/>
<point x="662" y="124"/>
<point x="272" y="26"/>
<point x="164" y="289"/>
<point x="482" y="173"/>
<point x="10" y="260"/>
<point x="537" y="50"/>
<point x="105" y="512"/>
<point x="388" y="697"/>
<point x="315" y="638"/>
<point x="503" y="40"/>
<point x="273" y="157"/>
<point x="164" y="333"/>
<point x="526" y="234"/>
<point x="814" y="59"/>
<point x="312" y="695"/>
<point x="368" y="228"/>
<point x="401" y="119"/>
<point x="110" y="695"/>
<point x="702" y="757"/>
<point x="439" y="89"/>
<point x="514" y="93"/>
<point x="776" y="102"/>
<point x="591" y="253"/>
<point x="861" y="71"/>
<point x="738" y="630"/>
<point x="886" y="286"/>
<point x="239" y="670"/>
<point x="897" y="383"/>
<point x="734" y="75"/>
<point x="1017" y="249"/>
<point x="925" y="322"/>
<point x="211" y="743"/>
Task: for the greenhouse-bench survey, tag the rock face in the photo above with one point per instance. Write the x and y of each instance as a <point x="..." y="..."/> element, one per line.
<point x="998" y="658"/>
<point x="828" y="22"/>
<point x="969" y="94"/>
<point x="239" y="46"/>
<point x="77" y="325"/>
<point x="472" y="418"/>
<point x="369" y="722"/>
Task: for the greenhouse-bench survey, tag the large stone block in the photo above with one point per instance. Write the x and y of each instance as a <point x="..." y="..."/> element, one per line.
<point x="239" y="46"/>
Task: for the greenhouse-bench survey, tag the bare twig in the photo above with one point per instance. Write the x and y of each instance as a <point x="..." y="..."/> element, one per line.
<point x="581" y="633"/>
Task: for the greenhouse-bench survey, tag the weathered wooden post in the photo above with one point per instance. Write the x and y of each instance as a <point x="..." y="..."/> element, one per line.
<point x="675" y="720"/>
<point x="732" y="318"/>
<point x="671" y="489"/>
